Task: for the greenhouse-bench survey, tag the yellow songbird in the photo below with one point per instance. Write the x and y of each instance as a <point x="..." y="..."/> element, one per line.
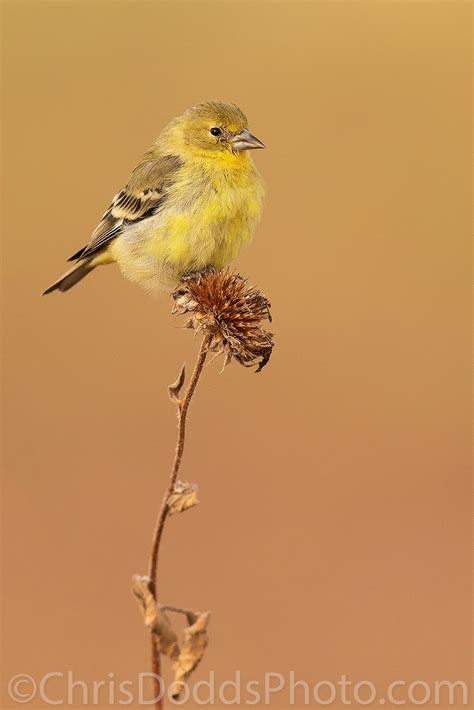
<point x="191" y="202"/>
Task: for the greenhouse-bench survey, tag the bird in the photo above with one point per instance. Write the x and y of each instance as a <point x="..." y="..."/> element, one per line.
<point x="192" y="201"/>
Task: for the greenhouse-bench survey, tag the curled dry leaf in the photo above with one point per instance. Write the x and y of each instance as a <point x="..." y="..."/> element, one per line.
<point x="155" y="618"/>
<point x="174" y="390"/>
<point x="140" y="588"/>
<point x="183" y="497"/>
<point x="186" y="657"/>
<point x="195" y="640"/>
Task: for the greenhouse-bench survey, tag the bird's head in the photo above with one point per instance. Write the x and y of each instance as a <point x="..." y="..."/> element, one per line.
<point x="214" y="128"/>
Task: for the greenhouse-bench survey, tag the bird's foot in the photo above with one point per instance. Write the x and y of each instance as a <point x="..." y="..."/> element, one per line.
<point x="191" y="275"/>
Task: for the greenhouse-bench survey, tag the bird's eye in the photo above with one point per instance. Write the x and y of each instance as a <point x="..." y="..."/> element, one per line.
<point x="215" y="131"/>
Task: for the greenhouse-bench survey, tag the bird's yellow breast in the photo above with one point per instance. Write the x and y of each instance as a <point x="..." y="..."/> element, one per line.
<point x="209" y="213"/>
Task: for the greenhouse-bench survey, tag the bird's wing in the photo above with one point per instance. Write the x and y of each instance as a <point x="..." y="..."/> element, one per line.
<point x="144" y="194"/>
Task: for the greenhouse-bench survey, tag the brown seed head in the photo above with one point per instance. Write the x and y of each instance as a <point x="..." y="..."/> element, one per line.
<point x="222" y="305"/>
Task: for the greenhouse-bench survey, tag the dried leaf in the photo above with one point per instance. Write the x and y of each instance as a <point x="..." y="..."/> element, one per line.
<point x="184" y="496"/>
<point x="141" y="589"/>
<point x="155" y="618"/>
<point x="174" y="390"/>
<point x="195" y="640"/>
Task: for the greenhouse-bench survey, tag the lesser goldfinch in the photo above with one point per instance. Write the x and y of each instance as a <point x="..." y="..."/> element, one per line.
<point x="191" y="202"/>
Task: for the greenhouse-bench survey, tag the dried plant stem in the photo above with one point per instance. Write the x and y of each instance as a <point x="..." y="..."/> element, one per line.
<point x="183" y="407"/>
<point x="177" y="610"/>
<point x="156" y="670"/>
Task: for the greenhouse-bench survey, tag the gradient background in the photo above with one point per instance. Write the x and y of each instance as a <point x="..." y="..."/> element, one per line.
<point x="333" y="532"/>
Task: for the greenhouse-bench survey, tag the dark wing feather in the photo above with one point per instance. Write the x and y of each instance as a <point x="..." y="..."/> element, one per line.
<point x="144" y="194"/>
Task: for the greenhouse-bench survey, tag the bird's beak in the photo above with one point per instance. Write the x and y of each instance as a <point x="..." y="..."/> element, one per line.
<point x="245" y="141"/>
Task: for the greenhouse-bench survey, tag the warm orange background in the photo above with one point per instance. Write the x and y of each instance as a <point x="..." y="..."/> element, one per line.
<point x="333" y="533"/>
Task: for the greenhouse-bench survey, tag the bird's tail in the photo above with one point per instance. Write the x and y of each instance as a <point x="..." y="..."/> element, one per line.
<point x="72" y="277"/>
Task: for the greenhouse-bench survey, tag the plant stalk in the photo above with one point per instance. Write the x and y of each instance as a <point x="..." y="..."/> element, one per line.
<point x="183" y="407"/>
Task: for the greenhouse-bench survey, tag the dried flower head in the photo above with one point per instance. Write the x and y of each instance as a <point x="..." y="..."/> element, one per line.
<point x="223" y="306"/>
